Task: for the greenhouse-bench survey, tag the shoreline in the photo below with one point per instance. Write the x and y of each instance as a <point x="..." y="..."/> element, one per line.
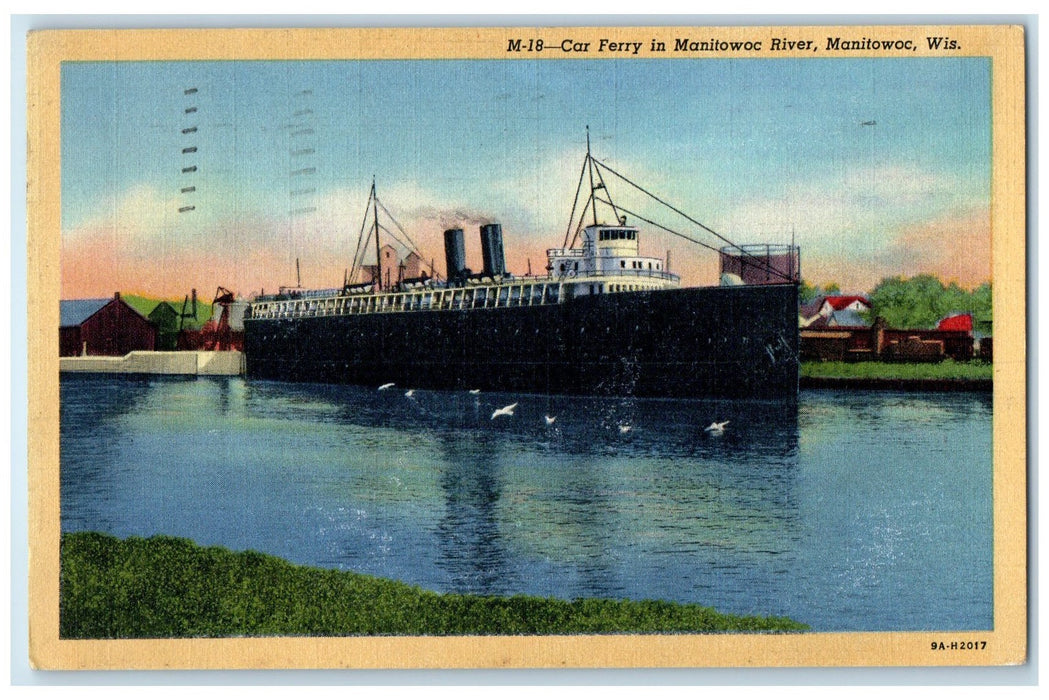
<point x="896" y="384"/>
<point x="171" y="587"/>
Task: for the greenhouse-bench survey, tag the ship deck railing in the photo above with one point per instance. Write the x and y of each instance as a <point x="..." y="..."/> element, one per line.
<point x="528" y="291"/>
<point x="525" y="293"/>
<point x="565" y="252"/>
<point x="570" y="275"/>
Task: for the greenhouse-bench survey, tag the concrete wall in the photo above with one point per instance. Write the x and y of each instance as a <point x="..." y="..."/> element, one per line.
<point x="142" y="362"/>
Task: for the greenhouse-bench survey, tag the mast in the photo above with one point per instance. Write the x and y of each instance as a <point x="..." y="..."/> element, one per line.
<point x="590" y="163"/>
<point x="378" y="257"/>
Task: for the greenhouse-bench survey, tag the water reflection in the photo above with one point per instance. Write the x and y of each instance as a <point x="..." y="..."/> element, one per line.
<point x="799" y="509"/>
<point x="92" y="430"/>
<point x="470" y="543"/>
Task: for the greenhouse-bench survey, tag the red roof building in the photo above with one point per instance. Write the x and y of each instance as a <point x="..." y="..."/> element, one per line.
<point x="956" y="322"/>
<point x="841" y="303"/>
<point x="103" y="327"/>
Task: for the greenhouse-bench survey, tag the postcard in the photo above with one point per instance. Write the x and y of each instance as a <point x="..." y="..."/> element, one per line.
<point x="527" y="347"/>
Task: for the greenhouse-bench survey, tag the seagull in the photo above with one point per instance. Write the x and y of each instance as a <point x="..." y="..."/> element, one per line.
<point x="716" y="428"/>
<point x="409" y="393"/>
<point x="504" y="411"/>
<point x="475" y="391"/>
<point x="624" y="429"/>
<point x="384" y="387"/>
<point x="550" y="419"/>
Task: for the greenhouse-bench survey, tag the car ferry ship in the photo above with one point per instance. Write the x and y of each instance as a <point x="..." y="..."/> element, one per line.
<point x="605" y="319"/>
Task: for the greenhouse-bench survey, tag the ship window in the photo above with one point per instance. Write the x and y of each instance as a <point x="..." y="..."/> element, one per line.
<point x="577" y="266"/>
<point x="630" y="235"/>
<point x="622" y="263"/>
<point x="657" y="266"/>
<point x="650" y="266"/>
<point x="562" y="267"/>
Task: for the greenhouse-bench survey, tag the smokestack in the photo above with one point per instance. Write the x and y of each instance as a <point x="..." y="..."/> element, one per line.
<point x="492" y="250"/>
<point x="454" y="253"/>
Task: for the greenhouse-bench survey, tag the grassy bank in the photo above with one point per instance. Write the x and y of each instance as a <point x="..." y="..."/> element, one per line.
<point x="948" y="369"/>
<point x="168" y="587"/>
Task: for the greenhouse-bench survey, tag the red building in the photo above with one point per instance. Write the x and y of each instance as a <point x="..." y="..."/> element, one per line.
<point x="957" y="322"/>
<point x="879" y="342"/>
<point x="103" y="327"/>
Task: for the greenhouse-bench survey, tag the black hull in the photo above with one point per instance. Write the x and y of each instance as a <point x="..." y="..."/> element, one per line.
<point x="739" y="342"/>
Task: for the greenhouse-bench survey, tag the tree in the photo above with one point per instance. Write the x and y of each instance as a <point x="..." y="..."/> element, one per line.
<point x="809" y="293"/>
<point x="921" y="301"/>
<point x="982" y="309"/>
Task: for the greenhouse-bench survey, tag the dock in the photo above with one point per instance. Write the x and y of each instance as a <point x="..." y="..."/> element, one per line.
<point x="188" y="362"/>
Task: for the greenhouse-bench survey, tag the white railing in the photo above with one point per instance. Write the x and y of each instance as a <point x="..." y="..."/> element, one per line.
<point x="449" y="299"/>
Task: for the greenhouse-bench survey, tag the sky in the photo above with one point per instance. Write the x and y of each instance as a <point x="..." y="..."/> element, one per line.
<point x="759" y="150"/>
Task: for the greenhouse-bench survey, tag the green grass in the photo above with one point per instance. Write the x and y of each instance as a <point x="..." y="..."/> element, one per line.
<point x="948" y="369"/>
<point x="168" y="587"/>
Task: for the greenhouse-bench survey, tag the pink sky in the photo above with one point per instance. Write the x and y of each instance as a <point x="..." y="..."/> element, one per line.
<point x="99" y="261"/>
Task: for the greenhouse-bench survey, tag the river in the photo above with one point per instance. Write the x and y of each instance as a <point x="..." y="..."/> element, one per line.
<point x="847" y="511"/>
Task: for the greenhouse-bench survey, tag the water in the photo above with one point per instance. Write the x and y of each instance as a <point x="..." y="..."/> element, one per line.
<point x="848" y="511"/>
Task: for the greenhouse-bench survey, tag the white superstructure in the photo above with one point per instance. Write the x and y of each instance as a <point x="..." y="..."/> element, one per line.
<point x="608" y="261"/>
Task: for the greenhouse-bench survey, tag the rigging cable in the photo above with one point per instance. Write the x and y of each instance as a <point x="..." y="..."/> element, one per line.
<point x="661" y="226"/>
<point x="755" y="260"/>
<point x="412" y="247"/>
<point x="354" y="268"/>
<point x="575" y="201"/>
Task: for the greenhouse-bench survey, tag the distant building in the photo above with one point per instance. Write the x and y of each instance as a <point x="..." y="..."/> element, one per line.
<point x="103" y="327"/>
<point x="878" y="342"/>
<point x="809" y="313"/>
<point x="412" y="266"/>
<point x="390" y="267"/>
<point x="853" y="303"/>
<point x="956" y="322"/>
<point x="846" y="318"/>
<point x="834" y="312"/>
<point x="166" y="319"/>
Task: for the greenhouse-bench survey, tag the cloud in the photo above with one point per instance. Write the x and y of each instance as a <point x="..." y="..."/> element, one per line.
<point x="854" y="227"/>
<point x="956" y="247"/>
<point x="867" y="223"/>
